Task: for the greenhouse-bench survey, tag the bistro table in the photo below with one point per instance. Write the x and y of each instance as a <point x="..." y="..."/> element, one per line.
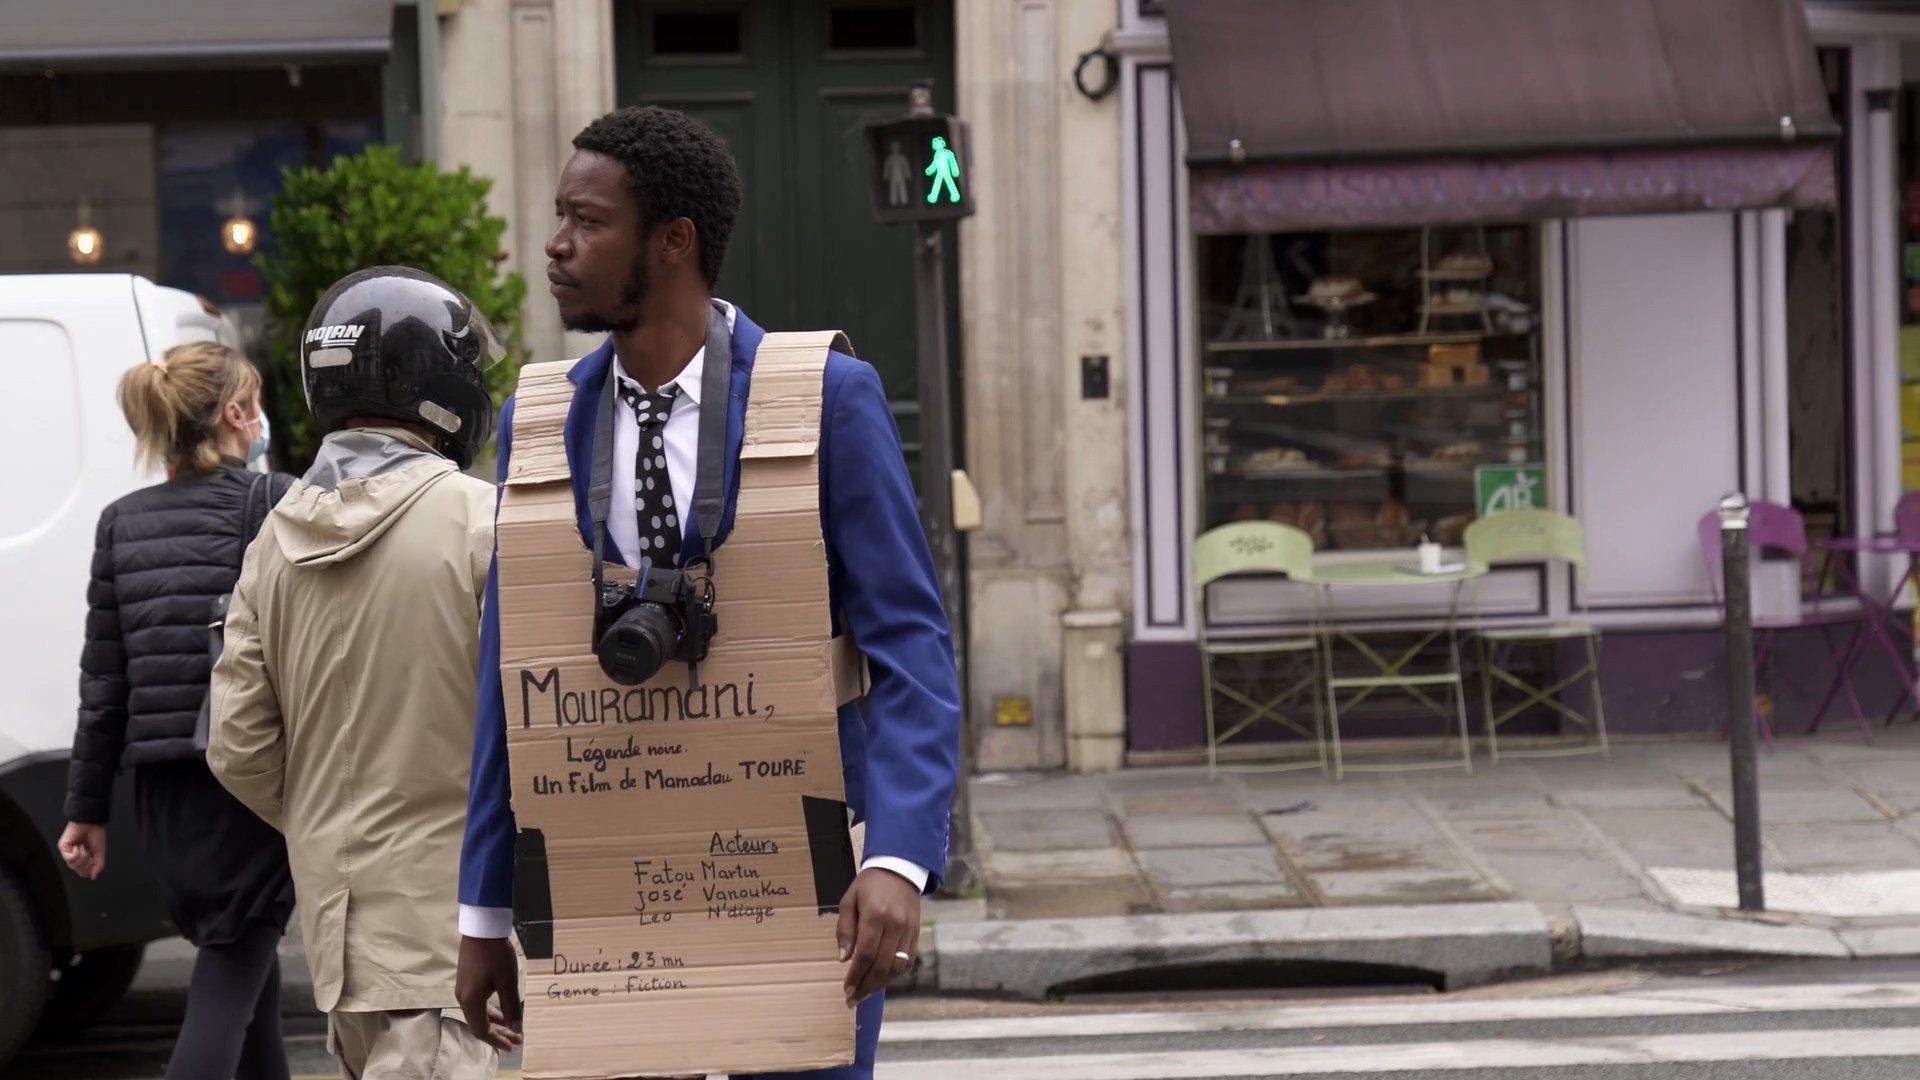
<point x="1877" y="616"/>
<point x="1389" y="673"/>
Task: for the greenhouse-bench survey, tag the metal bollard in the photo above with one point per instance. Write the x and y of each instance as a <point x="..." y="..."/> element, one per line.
<point x="1735" y="559"/>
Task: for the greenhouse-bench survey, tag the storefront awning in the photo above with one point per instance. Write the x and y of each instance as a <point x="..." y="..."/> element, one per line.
<point x="143" y="33"/>
<point x="1357" y="113"/>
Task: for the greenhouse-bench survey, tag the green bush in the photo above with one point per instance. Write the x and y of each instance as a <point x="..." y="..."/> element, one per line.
<point x="372" y="209"/>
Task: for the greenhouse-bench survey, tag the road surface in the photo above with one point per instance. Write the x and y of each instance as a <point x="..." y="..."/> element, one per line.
<point x="1838" y="1021"/>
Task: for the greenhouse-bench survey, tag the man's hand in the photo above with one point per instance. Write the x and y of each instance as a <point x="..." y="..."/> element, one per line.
<point x="488" y="968"/>
<point x="84" y="847"/>
<point x="879" y="921"/>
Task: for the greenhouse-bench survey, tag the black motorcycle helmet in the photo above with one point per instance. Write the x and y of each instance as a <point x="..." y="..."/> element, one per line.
<point x="395" y="342"/>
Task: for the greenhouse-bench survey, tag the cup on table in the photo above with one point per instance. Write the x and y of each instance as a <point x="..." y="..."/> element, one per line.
<point x="1429" y="557"/>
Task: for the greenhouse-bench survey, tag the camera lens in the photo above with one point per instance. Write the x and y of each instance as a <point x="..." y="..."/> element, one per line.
<point x="637" y="643"/>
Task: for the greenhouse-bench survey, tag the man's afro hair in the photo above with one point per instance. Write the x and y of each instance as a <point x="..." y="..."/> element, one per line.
<point x="676" y="167"/>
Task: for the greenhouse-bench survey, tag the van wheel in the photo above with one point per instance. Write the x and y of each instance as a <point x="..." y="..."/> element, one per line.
<point x="89" y="985"/>
<point x="24" y="966"/>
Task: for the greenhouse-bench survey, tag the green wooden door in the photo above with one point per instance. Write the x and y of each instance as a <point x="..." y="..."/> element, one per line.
<point x="790" y="84"/>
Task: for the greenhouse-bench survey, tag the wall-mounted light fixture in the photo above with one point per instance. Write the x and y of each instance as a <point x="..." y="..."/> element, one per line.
<point x="85" y="245"/>
<point x="238" y="234"/>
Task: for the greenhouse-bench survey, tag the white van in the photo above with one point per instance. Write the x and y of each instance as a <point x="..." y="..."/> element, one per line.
<point x="68" y="948"/>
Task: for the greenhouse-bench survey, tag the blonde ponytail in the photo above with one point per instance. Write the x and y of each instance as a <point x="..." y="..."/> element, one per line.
<point x="173" y="403"/>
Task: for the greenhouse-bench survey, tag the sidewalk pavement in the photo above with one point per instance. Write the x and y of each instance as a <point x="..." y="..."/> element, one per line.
<point x="1624" y="857"/>
<point x="1515" y="869"/>
<point x="1623" y="830"/>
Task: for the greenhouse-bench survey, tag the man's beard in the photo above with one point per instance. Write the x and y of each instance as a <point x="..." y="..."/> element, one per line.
<point x="632" y="294"/>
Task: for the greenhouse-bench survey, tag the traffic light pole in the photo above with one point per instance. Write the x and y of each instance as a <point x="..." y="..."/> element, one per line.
<point x="936" y="507"/>
<point x="936" y="492"/>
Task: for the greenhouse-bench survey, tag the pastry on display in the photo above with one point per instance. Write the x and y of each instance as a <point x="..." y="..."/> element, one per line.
<point x="1460" y="452"/>
<point x="1394" y="514"/>
<point x="1452" y="530"/>
<point x="1456" y="364"/>
<point x="1337" y="291"/>
<point x="1358" y="525"/>
<point x="1361" y="378"/>
<point x="1272" y="460"/>
<point x="1465" y="265"/>
<point x="1275" y="384"/>
<point x="1344" y="514"/>
<point x="1336" y="294"/>
<point x="1355" y="379"/>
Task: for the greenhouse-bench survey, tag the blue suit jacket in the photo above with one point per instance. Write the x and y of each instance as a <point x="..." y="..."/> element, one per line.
<point x="899" y="758"/>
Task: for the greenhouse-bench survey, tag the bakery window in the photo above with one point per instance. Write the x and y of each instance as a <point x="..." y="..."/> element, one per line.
<point x="1371" y="387"/>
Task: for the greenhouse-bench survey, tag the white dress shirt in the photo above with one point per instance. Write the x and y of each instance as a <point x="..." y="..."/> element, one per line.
<point x="682" y="436"/>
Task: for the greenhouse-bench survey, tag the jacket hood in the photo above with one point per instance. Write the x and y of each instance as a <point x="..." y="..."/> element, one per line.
<point x="361" y="482"/>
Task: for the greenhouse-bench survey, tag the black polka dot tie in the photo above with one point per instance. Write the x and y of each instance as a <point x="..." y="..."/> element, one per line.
<point x="658" y="519"/>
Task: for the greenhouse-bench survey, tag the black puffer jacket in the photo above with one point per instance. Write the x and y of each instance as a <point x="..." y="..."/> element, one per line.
<point x="160" y="556"/>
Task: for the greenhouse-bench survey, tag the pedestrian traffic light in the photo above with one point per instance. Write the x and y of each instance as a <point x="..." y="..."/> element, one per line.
<point x="919" y="169"/>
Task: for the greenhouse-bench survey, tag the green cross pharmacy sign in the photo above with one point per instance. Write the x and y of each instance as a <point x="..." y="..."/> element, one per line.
<point x="1499" y="488"/>
<point x="918" y="169"/>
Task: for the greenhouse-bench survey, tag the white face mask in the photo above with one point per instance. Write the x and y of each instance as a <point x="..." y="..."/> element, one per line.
<point x="258" y="448"/>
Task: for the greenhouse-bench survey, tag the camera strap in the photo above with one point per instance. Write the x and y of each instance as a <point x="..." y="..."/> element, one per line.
<point x="709" y="485"/>
<point x="710" y="468"/>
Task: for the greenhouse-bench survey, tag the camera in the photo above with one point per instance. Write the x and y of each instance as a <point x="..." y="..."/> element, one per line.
<point x="664" y="615"/>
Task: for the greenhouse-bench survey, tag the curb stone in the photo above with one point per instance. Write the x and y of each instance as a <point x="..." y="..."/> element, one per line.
<point x="1627" y="934"/>
<point x="1465" y="944"/>
<point x="1882" y="942"/>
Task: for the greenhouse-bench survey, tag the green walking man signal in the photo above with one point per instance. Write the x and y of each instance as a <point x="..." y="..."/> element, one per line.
<point x="918" y="166"/>
<point x="945" y="171"/>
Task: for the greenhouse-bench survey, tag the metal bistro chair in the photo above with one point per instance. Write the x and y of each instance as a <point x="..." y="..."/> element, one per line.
<point x="1257" y="547"/>
<point x="1879" y="614"/>
<point x="1533" y="535"/>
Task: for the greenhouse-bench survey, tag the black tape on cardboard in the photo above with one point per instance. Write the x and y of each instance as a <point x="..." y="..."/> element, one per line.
<point x="532" y="894"/>
<point x="831" y="844"/>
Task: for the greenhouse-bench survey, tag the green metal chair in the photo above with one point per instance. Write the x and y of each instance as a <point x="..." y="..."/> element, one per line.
<point x="1534" y="535"/>
<point x="1257" y="547"/>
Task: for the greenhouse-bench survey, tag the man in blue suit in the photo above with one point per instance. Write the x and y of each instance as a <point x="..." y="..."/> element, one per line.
<point x="645" y="208"/>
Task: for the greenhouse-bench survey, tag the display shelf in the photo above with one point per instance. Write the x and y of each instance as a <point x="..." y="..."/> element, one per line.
<point x="1382" y="430"/>
<point x="1321" y="472"/>
<point x="1456" y="276"/>
<point x="1376" y="342"/>
<point x="1456" y="307"/>
<point x="1469" y="392"/>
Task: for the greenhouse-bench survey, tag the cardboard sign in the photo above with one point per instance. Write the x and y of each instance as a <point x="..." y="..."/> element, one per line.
<point x="686" y="841"/>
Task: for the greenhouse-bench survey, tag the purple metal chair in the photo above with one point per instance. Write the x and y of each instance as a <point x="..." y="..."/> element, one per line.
<point x="1878" y="615"/>
<point x="1906" y="519"/>
<point x="1772" y="527"/>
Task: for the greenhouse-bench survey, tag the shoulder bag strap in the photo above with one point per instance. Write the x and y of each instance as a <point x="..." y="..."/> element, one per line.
<point x="253" y="513"/>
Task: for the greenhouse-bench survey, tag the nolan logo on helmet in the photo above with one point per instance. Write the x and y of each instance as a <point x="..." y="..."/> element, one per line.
<point x="337" y="334"/>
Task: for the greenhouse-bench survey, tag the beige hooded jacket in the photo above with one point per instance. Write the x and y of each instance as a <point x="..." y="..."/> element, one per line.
<point x="343" y="708"/>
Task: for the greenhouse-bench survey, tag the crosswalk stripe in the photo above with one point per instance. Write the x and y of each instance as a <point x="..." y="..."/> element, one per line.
<point x="1667" y="1001"/>
<point x="1410" y="1057"/>
<point x="1690" y="1001"/>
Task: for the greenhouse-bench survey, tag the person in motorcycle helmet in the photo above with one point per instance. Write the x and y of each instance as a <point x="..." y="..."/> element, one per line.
<point x="343" y="698"/>
<point x="396" y="343"/>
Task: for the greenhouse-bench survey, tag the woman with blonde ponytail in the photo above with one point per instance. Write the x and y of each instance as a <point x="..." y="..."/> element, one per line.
<point x="163" y="557"/>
